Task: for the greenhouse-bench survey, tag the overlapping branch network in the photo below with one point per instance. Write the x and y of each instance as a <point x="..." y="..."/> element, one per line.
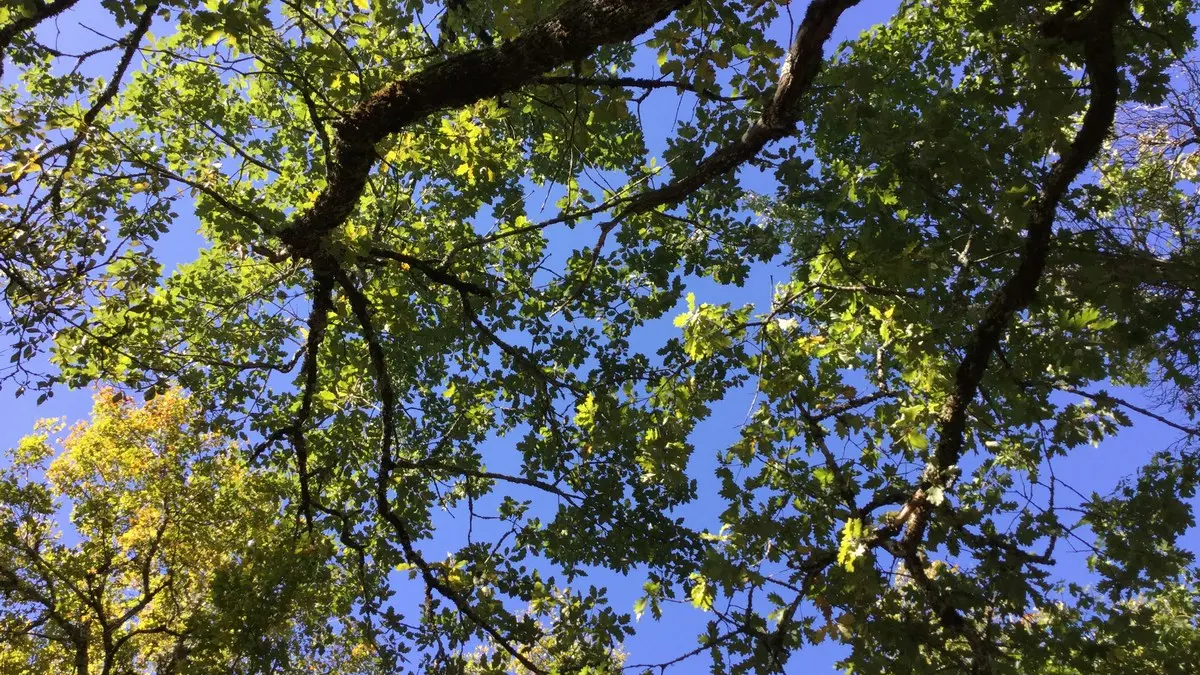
<point x="573" y="32"/>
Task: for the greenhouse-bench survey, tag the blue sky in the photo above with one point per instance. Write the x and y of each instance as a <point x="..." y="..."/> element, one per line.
<point x="1087" y="470"/>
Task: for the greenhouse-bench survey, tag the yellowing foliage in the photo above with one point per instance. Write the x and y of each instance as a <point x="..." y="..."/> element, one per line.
<point x="176" y="552"/>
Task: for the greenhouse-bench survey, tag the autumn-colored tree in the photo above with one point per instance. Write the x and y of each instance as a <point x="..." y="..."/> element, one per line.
<point x="175" y="557"/>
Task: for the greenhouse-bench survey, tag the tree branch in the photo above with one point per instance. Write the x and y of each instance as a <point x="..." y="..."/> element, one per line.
<point x="1105" y="397"/>
<point x="132" y="42"/>
<point x="318" y="320"/>
<point x="638" y="82"/>
<point x="1014" y="296"/>
<point x="41" y="12"/>
<point x="435" y="273"/>
<point x="360" y="306"/>
<point x="1020" y="289"/>
<point x="777" y="121"/>
<point x="573" y="32"/>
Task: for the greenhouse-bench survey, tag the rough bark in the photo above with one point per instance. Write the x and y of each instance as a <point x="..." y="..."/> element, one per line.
<point x="573" y="32"/>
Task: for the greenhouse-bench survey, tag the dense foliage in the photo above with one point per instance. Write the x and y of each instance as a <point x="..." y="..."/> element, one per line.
<point x="183" y="557"/>
<point x="458" y="291"/>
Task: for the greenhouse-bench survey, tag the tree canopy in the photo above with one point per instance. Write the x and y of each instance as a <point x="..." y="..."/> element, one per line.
<point x="478" y="279"/>
<point x="184" y="562"/>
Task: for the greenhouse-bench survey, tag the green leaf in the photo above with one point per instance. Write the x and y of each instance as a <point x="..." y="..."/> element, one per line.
<point x="916" y="439"/>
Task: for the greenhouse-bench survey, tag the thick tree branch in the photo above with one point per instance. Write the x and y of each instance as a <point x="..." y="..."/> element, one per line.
<point x="776" y="121"/>
<point x="1020" y="289"/>
<point x="1014" y="296"/>
<point x="573" y="32"/>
